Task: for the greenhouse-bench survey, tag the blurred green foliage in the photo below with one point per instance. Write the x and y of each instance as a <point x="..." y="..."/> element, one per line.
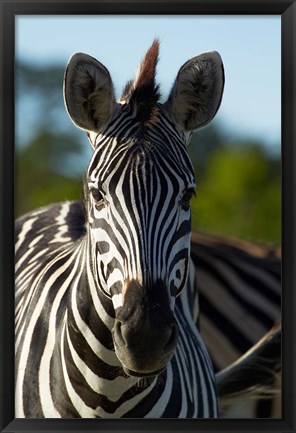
<point x="39" y="179"/>
<point x="240" y="194"/>
<point x="238" y="182"/>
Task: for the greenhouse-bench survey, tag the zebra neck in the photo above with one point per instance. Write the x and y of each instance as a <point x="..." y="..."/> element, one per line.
<point x="89" y="320"/>
<point x="94" y="379"/>
<point x="87" y="358"/>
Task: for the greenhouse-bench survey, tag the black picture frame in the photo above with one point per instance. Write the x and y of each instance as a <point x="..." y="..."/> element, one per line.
<point x="9" y="9"/>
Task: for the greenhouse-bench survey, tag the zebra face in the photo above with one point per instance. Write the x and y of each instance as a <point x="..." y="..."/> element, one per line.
<point x="138" y="194"/>
<point x="138" y="189"/>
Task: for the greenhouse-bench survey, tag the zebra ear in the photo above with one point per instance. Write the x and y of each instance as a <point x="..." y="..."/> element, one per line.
<point x="197" y="92"/>
<point x="88" y="92"/>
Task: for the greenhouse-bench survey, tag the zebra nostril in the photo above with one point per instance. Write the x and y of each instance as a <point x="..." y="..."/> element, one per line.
<point x="118" y="333"/>
<point x="171" y="343"/>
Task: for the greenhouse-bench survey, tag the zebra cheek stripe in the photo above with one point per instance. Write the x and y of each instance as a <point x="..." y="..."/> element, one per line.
<point x="117" y="301"/>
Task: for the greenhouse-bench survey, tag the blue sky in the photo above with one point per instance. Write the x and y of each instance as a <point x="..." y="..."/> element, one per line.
<point x="250" y="47"/>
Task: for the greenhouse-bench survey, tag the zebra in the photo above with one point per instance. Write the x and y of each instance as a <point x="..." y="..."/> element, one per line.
<point x="104" y="294"/>
<point x="106" y="303"/>
<point x="247" y="277"/>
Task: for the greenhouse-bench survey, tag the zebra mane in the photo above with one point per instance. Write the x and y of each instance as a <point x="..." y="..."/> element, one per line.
<point x="143" y="93"/>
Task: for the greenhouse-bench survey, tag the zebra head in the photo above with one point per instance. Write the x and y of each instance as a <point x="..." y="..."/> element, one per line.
<point x="138" y="188"/>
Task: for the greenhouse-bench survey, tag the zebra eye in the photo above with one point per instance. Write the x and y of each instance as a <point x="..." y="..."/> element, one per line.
<point x="97" y="196"/>
<point x="187" y="196"/>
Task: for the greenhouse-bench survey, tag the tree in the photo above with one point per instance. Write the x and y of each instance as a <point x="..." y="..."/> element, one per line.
<point x="240" y="194"/>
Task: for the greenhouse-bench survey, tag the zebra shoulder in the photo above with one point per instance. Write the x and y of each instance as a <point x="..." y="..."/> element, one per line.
<point x="54" y="224"/>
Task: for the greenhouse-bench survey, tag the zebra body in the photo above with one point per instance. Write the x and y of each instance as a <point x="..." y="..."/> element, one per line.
<point x="62" y="348"/>
<point x="247" y="276"/>
<point x="239" y="291"/>
<point x="100" y="331"/>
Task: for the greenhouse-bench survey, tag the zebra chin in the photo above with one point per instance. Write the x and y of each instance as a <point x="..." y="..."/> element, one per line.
<point x="142" y="375"/>
<point x="145" y="332"/>
<point x="138" y="362"/>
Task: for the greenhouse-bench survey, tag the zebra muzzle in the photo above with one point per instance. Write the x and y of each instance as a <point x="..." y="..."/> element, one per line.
<point x="145" y="333"/>
<point x="147" y="351"/>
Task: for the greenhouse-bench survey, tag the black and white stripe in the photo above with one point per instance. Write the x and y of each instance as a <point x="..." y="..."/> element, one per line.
<point x="239" y="286"/>
<point x="99" y="330"/>
<point x="66" y="367"/>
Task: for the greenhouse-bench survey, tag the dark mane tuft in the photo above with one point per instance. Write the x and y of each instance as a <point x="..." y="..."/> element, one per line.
<point x="143" y="93"/>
